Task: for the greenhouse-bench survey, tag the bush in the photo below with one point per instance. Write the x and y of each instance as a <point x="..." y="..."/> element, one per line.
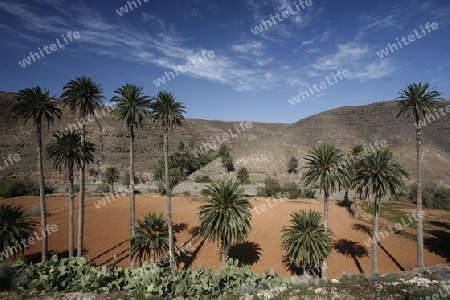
<point x="76" y="188"/>
<point x="147" y="281"/>
<point x="433" y="196"/>
<point x="21" y="187"/>
<point x="292" y="189"/>
<point x="186" y="193"/>
<point x="308" y="193"/>
<point x="202" y="179"/>
<point x="103" y="188"/>
<point x="271" y="187"/>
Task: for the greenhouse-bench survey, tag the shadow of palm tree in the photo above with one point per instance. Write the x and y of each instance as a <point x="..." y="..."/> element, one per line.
<point x="188" y="259"/>
<point x="298" y="271"/>
<point x="366" y="229"/>
<point x="179" y="227"/>
<point x="247" y="253"/>
<point x="439" y="244"/>
<point x="351" y="249"/>
<point x="443" y="225"/>
<point x="109" y="250"/>
<point x="194" y="231"/>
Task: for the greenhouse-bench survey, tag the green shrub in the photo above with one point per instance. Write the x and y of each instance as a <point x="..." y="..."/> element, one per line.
<point x="202" y="179"/>
<point x="271" y="187"/>
<point x="433" y="196"/>
<point x="308" y="193"/>
<point x="76" y="188"/>
<point x="103" y="188"/>
<point x="292" y="189"/>
<point x="21" y="187"/>
<point x="148" y="281"/>
<point x="187" y="193"/>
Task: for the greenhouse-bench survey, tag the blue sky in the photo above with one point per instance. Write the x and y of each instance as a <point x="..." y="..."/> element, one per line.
<point x="251" y="76"/>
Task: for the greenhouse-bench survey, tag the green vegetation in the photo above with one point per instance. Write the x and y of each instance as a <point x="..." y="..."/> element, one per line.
<point x="151" y="237"/>
<point x="243" y="176"/>
<point x="202" y="179"/>
<point x="111" y="176"/>
<point x="292" y="165"/>
<point x="226" y="216"/>
<point x="10" y="188"/>
<point x="306" y="241"/>
<point x="379" y="175"/>
<point x="15" y="225"/>
<point x="103" y="188"/>
<point x="433" y="196"/>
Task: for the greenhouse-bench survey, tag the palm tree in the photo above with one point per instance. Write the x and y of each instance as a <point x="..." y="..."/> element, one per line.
<point x="418" y="100"/>
<point x="377" y="174"/>
<point x="356" y="155"/>
<point x="36" y="104"/>
<point x="168" y="113"/>
<point x="292" y="165"/>
<point x="131" y="106"/>
<point x="226" y="216"/>
<point x="306" y="241"/>
<point x="66" y="151"/>
<point x="242" y="175"/>
<point x="111" y="176"/>
<point x="15" y="226"/>
<point x="151" y="238"/>
<point x="227" y="162"/>
<point x="82" y="95"/>
<point x="324" y="170"/>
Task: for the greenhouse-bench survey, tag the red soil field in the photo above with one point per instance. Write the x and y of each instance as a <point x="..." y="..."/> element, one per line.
<point x="107" y="229"/>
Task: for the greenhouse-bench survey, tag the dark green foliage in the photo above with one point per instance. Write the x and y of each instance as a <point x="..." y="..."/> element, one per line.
<point x="103" y="188"/>
<point x="76" y="188"/>
<point x="15" y="225"/>
<point x="306" y="241"/>
<point x="224" y="150"/>
<point x="243" y="176"/>
<point x="292" y="189"/>
<point x="292" y="165"/>
<point x="21" y="187"/>
<point x="147" y="281"/>
<point x="433" y="196"/>
<point x="126" y="179"/>
<point x="202" y="179"/>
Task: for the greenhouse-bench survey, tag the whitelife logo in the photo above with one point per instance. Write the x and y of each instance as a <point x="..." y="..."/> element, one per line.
<point x="35" y="56"/>
<point x="391" y="48"/>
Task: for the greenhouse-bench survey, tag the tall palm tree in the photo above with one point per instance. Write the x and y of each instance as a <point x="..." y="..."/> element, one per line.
<point x="37" y="105"/>
<point x="151" y="238"/>
<point x="323" y="164"/>
<point x="112" y="175"/>
<point x="66" y="151"/>
<point x="82" y="95"/>
<point x="419" y="101"/>
<point x="356" y="156"/>
<point x="15" y="226"/>
<point x="226" y="216"/>
<point x="131" y="106"/>
<point x="378" y="175"/>
<point x="168" y="113"/>
<point x="306" y="241"/>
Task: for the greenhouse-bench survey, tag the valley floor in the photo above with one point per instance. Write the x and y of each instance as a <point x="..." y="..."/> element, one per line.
<point x="107" y="230"/>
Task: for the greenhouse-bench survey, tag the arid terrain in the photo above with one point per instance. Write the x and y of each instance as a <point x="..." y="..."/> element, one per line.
<point x="107" y="230"/>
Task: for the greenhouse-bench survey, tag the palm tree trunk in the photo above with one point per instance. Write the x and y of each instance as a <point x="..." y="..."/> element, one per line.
<point x="356" y="211"/>
<point x="325" y="224"/>
<point x="224" y="250"/>
<point x="420" y="261"/>
<point x="169" y="199"/>
<point x="376" y="219"/>
<point x="71" y="214"/>
<point x="42" y="194"/>
<point x="81" y="198"/>
<point x="132" y="198"/>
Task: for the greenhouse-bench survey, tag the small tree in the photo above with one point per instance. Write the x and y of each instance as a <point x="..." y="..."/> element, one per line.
<point x="112" y="176"/>
<point x="242" y="176"/>
<point x="227" y="162"/>
<point x="306" y="241"/>
<point x="292" y="165"/>
<point x="224" y="150"/>
<point x="151" y="237"/>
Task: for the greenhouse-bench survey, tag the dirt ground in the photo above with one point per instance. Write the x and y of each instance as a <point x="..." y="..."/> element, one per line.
<point x="107" y="229"/>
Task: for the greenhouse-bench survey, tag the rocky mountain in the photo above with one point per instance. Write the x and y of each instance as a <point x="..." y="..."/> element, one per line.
<point x="263" y="148"/>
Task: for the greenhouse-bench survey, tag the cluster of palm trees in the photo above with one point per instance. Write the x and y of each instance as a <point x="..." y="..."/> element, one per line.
<point x="226" y="216"/>
<point x="83" y="96"/>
